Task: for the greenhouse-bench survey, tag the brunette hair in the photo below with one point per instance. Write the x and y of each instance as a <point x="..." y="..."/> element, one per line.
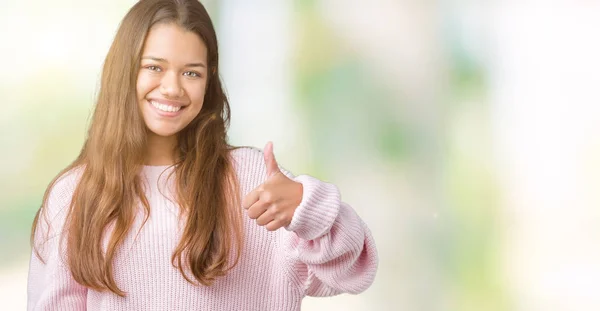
<point x="110" y="189"/>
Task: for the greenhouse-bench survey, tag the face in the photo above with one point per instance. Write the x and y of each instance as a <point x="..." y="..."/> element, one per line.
<point x="172" y="79"/>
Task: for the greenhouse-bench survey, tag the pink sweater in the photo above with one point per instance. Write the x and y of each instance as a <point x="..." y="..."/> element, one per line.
<point x="325" y="251"/>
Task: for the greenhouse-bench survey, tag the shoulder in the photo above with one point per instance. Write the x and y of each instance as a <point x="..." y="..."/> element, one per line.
<point x="248" y="158"/>
<point x="55" y="207"/>
<point x="66" y="182"/>
<point x="246" y="153"/>
<point x="251" y="161"/>
<point x="60" y="192"/>
<point x="249" y="165"/>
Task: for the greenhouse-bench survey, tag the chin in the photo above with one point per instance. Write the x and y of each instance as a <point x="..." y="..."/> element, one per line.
<point x="163" y="132"/>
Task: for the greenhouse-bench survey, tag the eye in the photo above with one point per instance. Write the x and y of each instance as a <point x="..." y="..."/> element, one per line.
<point x="191" y="74"/>
<point x="153" y="68"/>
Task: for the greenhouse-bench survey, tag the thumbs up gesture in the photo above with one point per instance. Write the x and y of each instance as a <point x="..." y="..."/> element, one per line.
<point x="274" y="202"/>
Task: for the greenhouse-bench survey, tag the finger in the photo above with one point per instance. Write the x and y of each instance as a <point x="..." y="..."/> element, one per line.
<point x="257" y="209"/>
<point x="265" y="218"/>
<point x="251" y="198"/>
<point x="270" y="161"/>
<point x="274" y="225"/>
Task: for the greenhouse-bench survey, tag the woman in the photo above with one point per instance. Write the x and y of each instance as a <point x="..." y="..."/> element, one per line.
<point x="158" y="212"/>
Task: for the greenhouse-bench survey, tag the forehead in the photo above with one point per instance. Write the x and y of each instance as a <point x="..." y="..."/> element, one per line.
<point x="174" y="43"/>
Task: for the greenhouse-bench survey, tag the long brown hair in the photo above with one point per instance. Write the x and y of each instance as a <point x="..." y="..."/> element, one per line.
<point x="110" y="189"/>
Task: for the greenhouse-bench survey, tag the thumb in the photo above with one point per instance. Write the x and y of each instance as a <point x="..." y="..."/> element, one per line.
<point x="272" y="167"/>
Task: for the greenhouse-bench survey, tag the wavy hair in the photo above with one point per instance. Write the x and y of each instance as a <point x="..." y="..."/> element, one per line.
<point x="110" y="191"/>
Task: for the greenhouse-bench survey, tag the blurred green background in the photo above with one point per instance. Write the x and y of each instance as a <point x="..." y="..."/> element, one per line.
<point x="465" y="133"/>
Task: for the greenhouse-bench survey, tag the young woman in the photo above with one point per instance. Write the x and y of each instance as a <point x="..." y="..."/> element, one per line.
<point x="158" y="212"/>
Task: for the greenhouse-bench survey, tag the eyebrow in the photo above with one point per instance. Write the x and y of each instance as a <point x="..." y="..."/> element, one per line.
<point x="162" y="60"/>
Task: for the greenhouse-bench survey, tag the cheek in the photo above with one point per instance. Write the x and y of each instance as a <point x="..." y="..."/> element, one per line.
<point x="144" y="85"/>
<point x="196" y="95"/>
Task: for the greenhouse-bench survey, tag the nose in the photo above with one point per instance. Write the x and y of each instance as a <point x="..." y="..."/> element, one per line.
<point x="170" y="85"/>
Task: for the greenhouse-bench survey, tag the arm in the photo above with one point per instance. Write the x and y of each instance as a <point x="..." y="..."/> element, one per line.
<point x="50" y="285"/>
<point x="329" y="239"/>
<point x="327" y="248"/>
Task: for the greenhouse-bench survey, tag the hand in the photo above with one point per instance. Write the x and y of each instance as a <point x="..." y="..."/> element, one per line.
<point x="274" y="202"/>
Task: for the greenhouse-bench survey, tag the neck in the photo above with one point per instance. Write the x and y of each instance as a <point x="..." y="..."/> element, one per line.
<point x="160" y="150"/>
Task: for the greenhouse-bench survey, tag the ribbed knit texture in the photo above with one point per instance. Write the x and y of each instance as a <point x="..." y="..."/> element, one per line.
<point x="326" y="250"/>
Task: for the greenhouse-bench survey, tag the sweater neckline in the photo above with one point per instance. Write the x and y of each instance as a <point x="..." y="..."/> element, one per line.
<point x="156" y="169"/>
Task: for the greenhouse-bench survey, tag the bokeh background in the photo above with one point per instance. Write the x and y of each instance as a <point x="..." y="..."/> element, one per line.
<point x="465" y="133"/>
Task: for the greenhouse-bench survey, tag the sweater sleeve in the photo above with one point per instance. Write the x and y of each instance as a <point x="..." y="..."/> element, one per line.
<point x="50" y="285"/>
<point x="328" y="247"/>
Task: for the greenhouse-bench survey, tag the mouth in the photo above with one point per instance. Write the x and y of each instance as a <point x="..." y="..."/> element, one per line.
<point x="166" y="108"/>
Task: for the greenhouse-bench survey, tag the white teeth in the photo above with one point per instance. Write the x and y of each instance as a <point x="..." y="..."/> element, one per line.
<point x="165" y="108"/>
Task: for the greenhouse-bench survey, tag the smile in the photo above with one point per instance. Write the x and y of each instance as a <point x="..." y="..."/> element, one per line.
<point x="164" y="107"/>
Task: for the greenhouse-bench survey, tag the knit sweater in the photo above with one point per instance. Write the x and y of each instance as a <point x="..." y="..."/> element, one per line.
<point x="326" y="250"/>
